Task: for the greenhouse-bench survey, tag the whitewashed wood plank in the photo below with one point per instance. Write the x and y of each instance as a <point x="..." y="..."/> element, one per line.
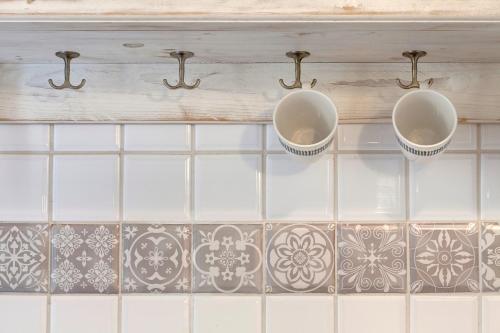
<point x="233" y="93"/>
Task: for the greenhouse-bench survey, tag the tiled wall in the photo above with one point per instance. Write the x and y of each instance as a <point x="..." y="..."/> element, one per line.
<point x="214" y="229"/>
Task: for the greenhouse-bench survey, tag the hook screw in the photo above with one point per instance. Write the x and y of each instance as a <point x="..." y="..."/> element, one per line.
<point x="67" y="56"/>
<point x="297" y="57"/>
<point x="181" y="57"/>
<point x="413" y="56"/>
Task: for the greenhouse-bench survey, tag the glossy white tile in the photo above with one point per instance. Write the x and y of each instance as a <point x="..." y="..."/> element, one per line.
<point x="32" y="137"/>
<point x="444" y="314"/>
<point x="157" y="137"/>
<point x="367" y="137"/>
<point x="363" y="314"/>
<point x="228" y="137"/>
<point x="155" y="187"/>
<point x="490" y="314"/>
<point x="273" y="143"/>
<point x="227" y="187"/>
<point x="155" y="314"/>
<point x="444" y="188"/>
<point x="490" y="186"/>
<point x="86" y="188"/>
<point x="84" y="314"/>
<point x="86" y="137"/>
<point x="490" y="136"/>
<point x="299" y="189"/>
<point x="227" y="314"/>
<point x="23" y="187"/>
<point x="371" y="187"/>
<point x="23" y="314"/>
<point x="299" y="314"/>
<point x="465" y="138"/>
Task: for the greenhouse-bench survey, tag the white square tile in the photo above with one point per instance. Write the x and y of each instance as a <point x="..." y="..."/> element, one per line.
<point x="363" y="314"/>
<point x="490" y="314"/>
<point x="84" y="314"/>
<point x="371" y="187"/>
<point x="228" y="137"/>
<point x="227" y="187"/>
<point x="86" y="137"/>
<point x="86" y="188"/>
<point x="299" y="189"/>
<point x="23" y="314"/>
<point x="465" y="138"/>
<point x="490" y="136"/>
<point x="33" y="137"/>
<point x="273" y="143"/>
<point x="157" y="137"/>
<point x="156" y="187"/>
<point x="155" y="314"/>
<point x="299" y="314"/>
<point x="23" y="187"/>
<point x="444" y="188"/>
<point x="490" y="186"/>
<point x="367" y="137"/>
<point x="227" y="314"/>
<point x="444" y="314"/>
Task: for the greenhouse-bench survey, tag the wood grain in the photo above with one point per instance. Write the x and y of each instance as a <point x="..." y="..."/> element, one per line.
<point x="233" y="92"/>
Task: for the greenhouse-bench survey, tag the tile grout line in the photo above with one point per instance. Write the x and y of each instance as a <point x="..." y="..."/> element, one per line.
<point x="335" y="235"/>
<point x="479" y="226"/>
<point x="407" y="236"/>
<point x="121" y="137"/>
<point x="263" y="208"/>
<point x="50" y="208"/>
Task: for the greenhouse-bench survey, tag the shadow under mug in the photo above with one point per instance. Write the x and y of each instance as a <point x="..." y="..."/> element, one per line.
<point x="424" y="122"/>
<point x="305" y="122"/>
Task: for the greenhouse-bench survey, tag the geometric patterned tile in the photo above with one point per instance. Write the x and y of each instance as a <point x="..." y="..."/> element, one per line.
<point x="444" y="258"/>
<point x="227" y="258"/>
<point x="371" y="258"/>
<point x="85" y="258"/>
<point x="24" y="252"/>
<point x="490" y="256"/>
<point x="300" y="258"/>
<point x="156" y="258"/>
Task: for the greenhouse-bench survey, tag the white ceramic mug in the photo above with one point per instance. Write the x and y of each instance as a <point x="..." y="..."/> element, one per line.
<point x="424" y="121"/>
<point x="305" y="121"/>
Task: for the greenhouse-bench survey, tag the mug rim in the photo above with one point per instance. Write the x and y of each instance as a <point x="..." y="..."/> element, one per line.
<point x="440" y="143"/>
<point x="319" y="143"/>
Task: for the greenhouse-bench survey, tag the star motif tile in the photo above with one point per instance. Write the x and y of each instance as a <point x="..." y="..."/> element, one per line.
<point x="371" y="258"/>
<point x="444" y="258"/>
<point x="227" y="258"/>
<point x="85" y="258"/>
<point x="300" y="258"/>
<point x="24" y="251"/>
<point x="490" y="256"/>
<point x="156" y="258"/>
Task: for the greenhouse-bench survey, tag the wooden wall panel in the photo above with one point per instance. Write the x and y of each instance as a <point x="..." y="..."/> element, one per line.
<point x="233" y="92"/>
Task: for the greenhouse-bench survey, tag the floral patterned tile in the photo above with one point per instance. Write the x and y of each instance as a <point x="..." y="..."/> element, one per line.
<point x="444" y="258"/>
<point x="156" y="258"/>
<point x="85" y="258"/>
<point x="24" y="254"/>
<point x="300" y="258"/>
<point x="371" y="258"/>
<point x="490" y="256"/>
<point x="227" y="258"/>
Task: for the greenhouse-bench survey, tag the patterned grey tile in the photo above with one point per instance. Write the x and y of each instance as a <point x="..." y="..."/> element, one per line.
<point x="84" y="258"/>
<point x="444" y="258"/>
<point x="156" y="258"/>
<point x="24" y="254"/>
<point x="490" y="256"/>
<point x="227" y="258"/>
<point x="300" y="258"/>
<point x="371" y="258"/>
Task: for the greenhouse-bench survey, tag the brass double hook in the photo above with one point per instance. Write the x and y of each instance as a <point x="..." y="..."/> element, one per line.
<point x="181" y="57"/>
<point x="67" y="56"/>
<point x="413" y="56"/>
<point x="297" y="57"/>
